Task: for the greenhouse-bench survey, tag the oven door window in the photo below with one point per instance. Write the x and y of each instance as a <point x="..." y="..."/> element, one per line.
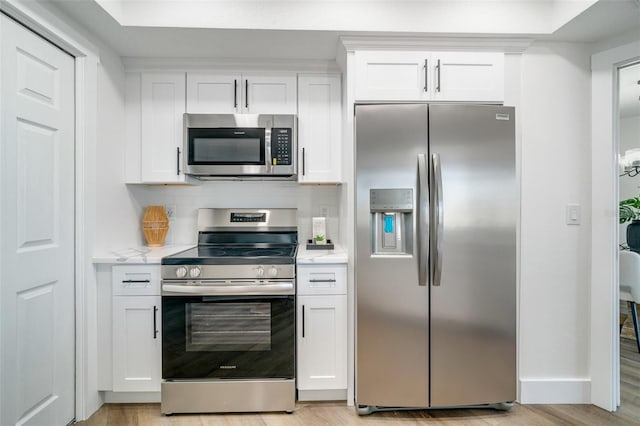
<point x="234" y="337"/>
<point x="230" y="146"/>
<point x="228" y="327"/>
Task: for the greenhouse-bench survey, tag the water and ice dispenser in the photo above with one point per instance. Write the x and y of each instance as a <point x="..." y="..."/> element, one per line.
<point x="391" y="221"/>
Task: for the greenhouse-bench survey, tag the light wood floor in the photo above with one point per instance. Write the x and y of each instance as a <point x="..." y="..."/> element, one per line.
<point x="337" y="413"/>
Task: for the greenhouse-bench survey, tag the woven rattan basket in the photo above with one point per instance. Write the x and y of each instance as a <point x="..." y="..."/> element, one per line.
<point x="155" y="225"/>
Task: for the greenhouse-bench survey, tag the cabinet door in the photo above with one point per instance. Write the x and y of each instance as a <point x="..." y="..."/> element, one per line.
<point x="213" y="93"/>
<point x="137" y="345"/>
<point x="319" y="128"/>
<point x="463" y="76"/>
<point x="322" y="342"/>
<point x="275" y="94"/>
<point x="162" y="107"/>
<point x="394" y="76"/>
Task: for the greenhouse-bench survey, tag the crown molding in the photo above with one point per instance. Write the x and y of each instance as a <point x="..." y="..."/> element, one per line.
<point x="142" y="64"/>
<point x="476" y="43"/>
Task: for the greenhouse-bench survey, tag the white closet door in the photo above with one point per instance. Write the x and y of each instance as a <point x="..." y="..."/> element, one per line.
<point x="36" y="230"/>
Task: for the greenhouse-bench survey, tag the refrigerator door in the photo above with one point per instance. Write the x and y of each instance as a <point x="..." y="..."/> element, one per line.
<point x="473" y="254"/>
<point x="392" y="309"/>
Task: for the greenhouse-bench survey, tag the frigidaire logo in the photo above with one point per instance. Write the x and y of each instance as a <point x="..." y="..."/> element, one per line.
<point x="228" y="367"/>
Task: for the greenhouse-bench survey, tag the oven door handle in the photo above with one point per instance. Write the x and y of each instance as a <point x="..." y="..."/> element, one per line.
<point x="257" y="289"/>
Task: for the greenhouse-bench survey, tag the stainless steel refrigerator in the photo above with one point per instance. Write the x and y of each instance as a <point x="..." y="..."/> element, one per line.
<point x="436" y="208"/>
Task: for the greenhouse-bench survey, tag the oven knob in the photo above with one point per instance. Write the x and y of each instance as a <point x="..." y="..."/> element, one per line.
<point x="194" y="272"/>
<point x="273" y="271"/>
<point x="260" y="271"/>
<point x="181" y="272"/>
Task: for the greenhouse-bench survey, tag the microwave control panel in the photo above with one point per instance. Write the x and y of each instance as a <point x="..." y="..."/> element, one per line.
<point x="281" y="146"/>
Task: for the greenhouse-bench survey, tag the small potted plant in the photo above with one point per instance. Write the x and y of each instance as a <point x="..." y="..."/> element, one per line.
<point x="630" y="211"/>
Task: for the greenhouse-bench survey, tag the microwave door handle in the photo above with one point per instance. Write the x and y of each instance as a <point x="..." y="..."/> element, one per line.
<point x="267" y="149"/>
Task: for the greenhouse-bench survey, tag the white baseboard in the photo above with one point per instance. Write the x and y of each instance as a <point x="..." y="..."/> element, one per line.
<point x="131" y="397"/>
<point x="555" y="391"/>
<point x="322" y="395"/>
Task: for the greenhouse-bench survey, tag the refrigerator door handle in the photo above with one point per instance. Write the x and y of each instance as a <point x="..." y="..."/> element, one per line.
<point x="438" y="221"/>
<point x="423" y="221"/>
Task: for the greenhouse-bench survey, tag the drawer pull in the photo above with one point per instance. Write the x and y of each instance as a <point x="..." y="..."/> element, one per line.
<point x="322" y="281"/>
<point x="136" y="281"/>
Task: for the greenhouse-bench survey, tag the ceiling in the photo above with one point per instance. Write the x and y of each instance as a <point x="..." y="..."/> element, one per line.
<point x="267" y="29"/>
<point x="155" y="28"/>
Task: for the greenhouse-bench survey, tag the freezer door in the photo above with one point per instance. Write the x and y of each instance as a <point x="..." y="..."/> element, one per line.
<point x="392" y="310"/>
<point x="473" y="254"/>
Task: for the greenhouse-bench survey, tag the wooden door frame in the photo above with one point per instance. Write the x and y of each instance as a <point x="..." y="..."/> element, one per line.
<point x="51" y="27"/>
<point x="605" y="343"/>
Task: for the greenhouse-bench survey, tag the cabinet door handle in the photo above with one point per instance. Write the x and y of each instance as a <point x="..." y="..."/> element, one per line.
<point x="178" y="161"/>
<point x="235" y="94"/>
<point x="322" y="281"/>
<point x="426" y="75"/>
<point x="246" y="94"/>
<point x="303" y="162"/>
<point x="136" y="281"/>
<point x="155" y="322"/>
<point x="303" y="321"/>
<point x="438" y="75"/>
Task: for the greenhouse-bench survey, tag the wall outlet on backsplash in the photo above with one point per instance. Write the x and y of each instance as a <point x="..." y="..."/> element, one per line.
<point x="171" y="211"/>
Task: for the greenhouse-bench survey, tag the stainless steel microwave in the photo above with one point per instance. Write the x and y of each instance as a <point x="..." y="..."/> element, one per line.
<point x="240" y="146"/>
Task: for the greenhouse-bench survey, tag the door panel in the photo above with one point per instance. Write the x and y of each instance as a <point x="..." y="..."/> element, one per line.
<point x="36" y="230"/>
<point x="473" y="310"/>
<point x="392" y="310"/>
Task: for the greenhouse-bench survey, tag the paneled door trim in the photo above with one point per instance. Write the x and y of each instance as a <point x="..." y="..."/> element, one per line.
<point x="43" y="21"/>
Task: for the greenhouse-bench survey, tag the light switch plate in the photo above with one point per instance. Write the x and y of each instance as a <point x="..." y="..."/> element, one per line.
<point x="574" y="214"/>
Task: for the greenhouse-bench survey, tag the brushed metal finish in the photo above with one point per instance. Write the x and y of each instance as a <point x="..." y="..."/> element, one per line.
<point x="215" y="289"/>
<point x="240" y="171"/>
<point x="392" y="311"/>
<point x="213" y="219"/>
<point x="227" y="396"/>
<point x="423" y="215"/>
<point x="473" y="312"/>
<point x="220" y="273"/>
<point x="438" y="220"/>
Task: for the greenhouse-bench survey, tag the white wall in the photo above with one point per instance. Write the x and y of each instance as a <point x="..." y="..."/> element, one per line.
<point x="309" y="200"/>
<point x="116" y="215"/>
<point x="555" y="166"/>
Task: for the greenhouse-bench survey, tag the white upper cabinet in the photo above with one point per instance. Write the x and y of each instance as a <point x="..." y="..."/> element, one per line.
<point x="213" y="93"/>
<point x="430" y="76"/>
<point x="216" y="93"/>
<point x="154" y="105"/>
<point x="319" y="128"/>
<point x="162" y="98"/>
<point x="475" y="76"/>
<point x="393" y="76"/>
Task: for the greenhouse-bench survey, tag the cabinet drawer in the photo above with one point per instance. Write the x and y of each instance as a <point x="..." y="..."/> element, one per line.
<point x="322" y="279"/>
<point x="136" y="280"/>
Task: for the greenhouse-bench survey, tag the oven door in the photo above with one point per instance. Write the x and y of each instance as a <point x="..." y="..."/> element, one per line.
<point x="228" y="337"/>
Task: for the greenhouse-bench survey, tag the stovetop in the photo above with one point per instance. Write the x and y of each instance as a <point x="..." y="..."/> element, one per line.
<point x="234" y="255"/>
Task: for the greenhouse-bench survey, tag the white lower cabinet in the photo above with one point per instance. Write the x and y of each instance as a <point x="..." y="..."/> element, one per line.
<point x="137" y="347"/>
<point x="321" y="332"/>
<point x="136" y="329"/>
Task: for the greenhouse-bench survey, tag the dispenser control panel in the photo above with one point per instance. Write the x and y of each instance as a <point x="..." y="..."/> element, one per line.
<point x="391" y="211"/>
<point x="399" y="200"/>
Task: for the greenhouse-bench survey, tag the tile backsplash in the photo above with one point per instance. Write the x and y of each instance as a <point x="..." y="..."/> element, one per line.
<point x="186" y="200"/>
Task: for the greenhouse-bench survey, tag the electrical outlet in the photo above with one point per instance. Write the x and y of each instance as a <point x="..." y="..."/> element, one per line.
<point x="324" y="211"/>
<point x="171" y="211"/>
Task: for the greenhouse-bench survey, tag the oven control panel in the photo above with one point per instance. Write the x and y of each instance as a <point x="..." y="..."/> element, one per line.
<point x="227" y="272"/>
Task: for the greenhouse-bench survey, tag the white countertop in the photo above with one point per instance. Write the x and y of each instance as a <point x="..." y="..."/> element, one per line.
<point x="139" y="254"/>
<point x="337" y="255"/>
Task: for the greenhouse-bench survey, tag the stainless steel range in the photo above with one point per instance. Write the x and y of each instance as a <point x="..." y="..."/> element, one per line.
<point x="228" y="315"/>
